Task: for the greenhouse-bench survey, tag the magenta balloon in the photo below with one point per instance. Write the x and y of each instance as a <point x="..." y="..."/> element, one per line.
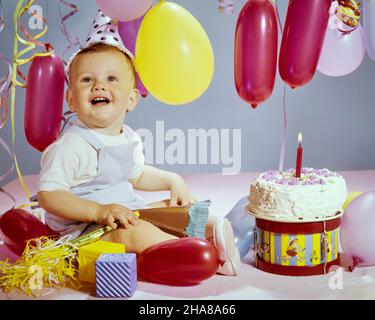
<point x="44" y="101"/>
<point x="303" y="36"/>
<point x="357" y="234"/>
<point x="255" y="51"/>
<point x="124" y="10"/>
<point x="341" y="54"/>
<point x="128" y="32"/>
<point x="141" y="88"/>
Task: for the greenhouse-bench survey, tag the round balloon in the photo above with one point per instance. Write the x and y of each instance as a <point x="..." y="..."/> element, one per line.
<point x="122" y="10"/>
<point x="17" y="226"/>
<point x="351" y="196"/>
<point x="128" y="32"/>
<point x="243" y="226"/>
<point x="357" y="234"/>
<point x="44" y="101"/>
<point x="185" y="261"/>
<point x="244" y="234"/>
<point x="174" y="57"/>
<point x="369" y="27"/>
<point x="341" y="54"/>
<point x="303" y="36"/>
<point x="255" y="51"/>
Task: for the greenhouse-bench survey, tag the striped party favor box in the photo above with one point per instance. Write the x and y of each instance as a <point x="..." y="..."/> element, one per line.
<point x="116" y="275"/>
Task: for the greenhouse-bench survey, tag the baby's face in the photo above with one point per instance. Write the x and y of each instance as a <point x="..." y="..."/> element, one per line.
<point x="101" y="89"/>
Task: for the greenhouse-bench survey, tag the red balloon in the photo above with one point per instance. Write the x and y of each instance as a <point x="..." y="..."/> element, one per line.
<point x="302" y="42"/>
<point x="44" y="101"/>
<point x="17" y="226"/>
<point x="185" y="261"/>
<point x="255" y="51"/>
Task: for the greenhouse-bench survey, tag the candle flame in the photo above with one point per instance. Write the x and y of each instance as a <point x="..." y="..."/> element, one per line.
<point x="300" y="138"/>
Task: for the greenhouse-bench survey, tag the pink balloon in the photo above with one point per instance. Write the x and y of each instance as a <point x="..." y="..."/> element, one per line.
<point x="128" y="32"/>
<point x="369" y="27"/>
<point x="303" y="37"/>
<point x="255" y="51"/>
<point x="342" y="54"/>
<point x="180" y="262"/>
<point x="357" y="234"/>
<point x="44" y="101"/>
<point x="124" y="10"/>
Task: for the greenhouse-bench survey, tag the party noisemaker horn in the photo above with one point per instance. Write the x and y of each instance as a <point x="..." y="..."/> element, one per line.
<point x="186" y="221"/>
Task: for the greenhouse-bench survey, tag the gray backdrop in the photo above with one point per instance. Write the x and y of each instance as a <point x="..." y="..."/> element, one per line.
<point x="336" y="115"/>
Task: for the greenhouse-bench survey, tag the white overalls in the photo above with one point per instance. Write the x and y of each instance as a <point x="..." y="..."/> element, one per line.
<point x="110" y="185"/>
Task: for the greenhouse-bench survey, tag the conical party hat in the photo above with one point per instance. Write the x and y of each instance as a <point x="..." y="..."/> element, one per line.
<point x="106" y="32"/>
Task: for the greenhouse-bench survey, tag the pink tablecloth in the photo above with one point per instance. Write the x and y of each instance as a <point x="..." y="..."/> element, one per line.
<point x="225" y="191"/>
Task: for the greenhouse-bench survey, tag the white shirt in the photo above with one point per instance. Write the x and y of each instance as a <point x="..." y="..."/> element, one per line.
<point x="71" y="161"/>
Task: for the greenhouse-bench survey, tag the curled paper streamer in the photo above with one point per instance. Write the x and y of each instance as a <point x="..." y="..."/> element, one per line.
<point x="10" y="153"/>
<point x="5" y="85"/>
<point x="284" y="131"/>
<point x="52" y="261"/>
<point x="2" y="22"/>
<point x="283" y="134"/>
<point x="67" y="116"/>
<point x="10" y="196"/>
<point x="73" y="42"/>
<point x="30" y="44"/>
<point x="347" y="11"/>
<point x="5" y="81"/>
<point x="274" y="2"/>
<point x="9" y="171"/>
<point x="226" y="6"/>
<point x="45" y="263"/>
<point x="17" y="62"/>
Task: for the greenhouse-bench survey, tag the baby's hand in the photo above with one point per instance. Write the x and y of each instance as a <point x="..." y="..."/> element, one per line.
<point x="109" y="214"/>
<point x="180" y="194"/>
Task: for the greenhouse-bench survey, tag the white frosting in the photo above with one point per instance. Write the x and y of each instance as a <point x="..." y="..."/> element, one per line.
<point x="318" y="194"/>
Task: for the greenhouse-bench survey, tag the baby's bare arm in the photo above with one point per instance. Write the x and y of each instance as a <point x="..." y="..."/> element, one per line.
<point x="154" y="179"/>
<point x="68" y="206"/>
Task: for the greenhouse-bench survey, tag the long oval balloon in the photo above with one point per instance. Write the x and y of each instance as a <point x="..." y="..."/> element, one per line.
<point x="180" y="262"/>
<point x="303" y="36"/>
<point x="17" y="226"/>
<point x="255" y="51"/>
<point x="44" y="101"/>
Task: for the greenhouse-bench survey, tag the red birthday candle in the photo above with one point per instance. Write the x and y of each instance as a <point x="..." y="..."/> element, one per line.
<point x="299" y="156"/>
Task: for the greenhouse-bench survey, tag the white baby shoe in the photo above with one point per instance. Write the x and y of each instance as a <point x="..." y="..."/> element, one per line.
<point x="223" y="239"/>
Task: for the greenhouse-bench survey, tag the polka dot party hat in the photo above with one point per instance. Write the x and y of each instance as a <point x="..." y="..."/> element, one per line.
<point x="103" y="31"/>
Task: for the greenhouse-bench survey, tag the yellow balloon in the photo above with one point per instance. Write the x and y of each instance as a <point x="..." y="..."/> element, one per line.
<point x="351" y="196"/>
<point x="174" y="57"/>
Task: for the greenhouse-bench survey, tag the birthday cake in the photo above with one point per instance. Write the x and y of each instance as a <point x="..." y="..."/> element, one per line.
<point x="317" y="194"/>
